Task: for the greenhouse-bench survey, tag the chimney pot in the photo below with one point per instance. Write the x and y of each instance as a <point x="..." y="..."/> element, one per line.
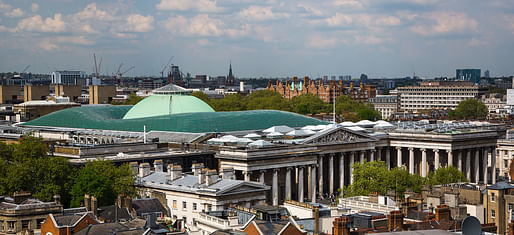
<point x="158" y="165"/>
<point x="144" y="169"/>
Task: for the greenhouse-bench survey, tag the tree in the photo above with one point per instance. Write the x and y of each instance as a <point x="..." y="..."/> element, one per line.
<point x="368" y="114"/>
<point x="308" y="104"/>
<point x="265" y="99"/>
<point x="375" y="177"/>
<point x="446" y="175"/>
<point x="470" y="108"/>
<point x="232" y="102"/>
<point x="104" y="180"/>
<point x="200" y="95"/>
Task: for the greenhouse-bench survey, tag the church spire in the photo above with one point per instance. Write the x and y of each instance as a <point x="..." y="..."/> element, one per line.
<point x="230" y="78"/>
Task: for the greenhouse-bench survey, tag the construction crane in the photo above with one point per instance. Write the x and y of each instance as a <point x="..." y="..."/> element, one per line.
<point x="119" y="74"/>
<point x="96" y="66"/>
<point x="25" y="69"/>
<point x="164" y="67"/>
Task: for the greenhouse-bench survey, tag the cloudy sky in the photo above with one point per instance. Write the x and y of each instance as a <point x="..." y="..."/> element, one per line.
<point x="382" y="38"/>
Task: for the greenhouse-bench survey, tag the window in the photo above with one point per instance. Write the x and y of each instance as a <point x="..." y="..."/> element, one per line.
<point x="209" y="207"/>
<point x="492" y="197"/>
<point x="174" y="204"/>
<point x="39" y="221"/>
<point x="505" y="163"/>
<point x="1" y="226"/>
<point x="185" y="220"/>
<point x="10" y="226"/>
<point x="510" y="207"/>
<point x="25" y="224"/>
<point x="194" y="206"/>
<point x="493" y="214"/>
<point x="184" y="205"/>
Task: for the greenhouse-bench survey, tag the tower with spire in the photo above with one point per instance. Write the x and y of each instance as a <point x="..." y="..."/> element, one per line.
<point x="230" y="77"/>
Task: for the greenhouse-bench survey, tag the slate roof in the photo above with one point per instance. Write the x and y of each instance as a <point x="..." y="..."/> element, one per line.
<point x="271" y="228"/>
<point x="500" y="185"/>
<point x="189" y="183"/>
<point x="135" y="227"/>
<point x="148" y="205"/>
<point x="69" y="220"/>
<point x="108" y="213"/>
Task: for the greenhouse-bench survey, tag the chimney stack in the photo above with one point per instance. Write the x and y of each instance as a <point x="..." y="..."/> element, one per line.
<point x="158" y="165"/>
<point x="201" y="175"/>
<point x="135" y="167"/>
<point x="395" y="222"/>
<point x="176" y="172"/>
<point x="316" y="220"/>
<point x="442" y="212"/>
<point x="341" y="226"/>
<point x="196" y="168"/>
<point x="94" y="205"/>
<point x="211" y="177"/>
<point x="144" y="169"/>
<point x="87" y="202"/>
<point x="227" y="173"/>
<point x="57" y="198"/>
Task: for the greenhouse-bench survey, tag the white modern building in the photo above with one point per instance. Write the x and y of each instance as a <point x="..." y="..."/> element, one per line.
<point x="187" y="195"/>
<point x="67" y="77"/>
<point x="387" y="105"/>
<point x="436" y="95"/>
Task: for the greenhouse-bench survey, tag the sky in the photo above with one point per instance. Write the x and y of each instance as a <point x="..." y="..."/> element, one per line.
<point x="261" y="38"/>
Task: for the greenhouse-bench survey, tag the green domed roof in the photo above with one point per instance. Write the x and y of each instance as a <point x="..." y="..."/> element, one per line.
<point x="166" y="104"/>
<point x="110" y="117"/>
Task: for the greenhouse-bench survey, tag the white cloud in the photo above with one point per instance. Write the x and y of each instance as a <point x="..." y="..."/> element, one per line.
<point x="4" y="7"/>
<point x="139" y="23"/>
<point x="3" y="28"/>
<point x="261" y="13"/>
<point x="34" y="7"/>
<point x="200" y="25"/>
<point x="92" y="12"/>
<point x="47" y="45"/>
<point x="317" y="41"/>
<point x="188" y="5"/>
<point x="509" y="22"/>
<point x="388" y="21"/>
<point x="15" y="13"/>
<point x="348" y="3"/>
<point x="446" y="23"/>
<point x="79" y="40"/>
<point x="476" y="42"/>
<point x="339" y="20"/>
<point x="37" y="24"/>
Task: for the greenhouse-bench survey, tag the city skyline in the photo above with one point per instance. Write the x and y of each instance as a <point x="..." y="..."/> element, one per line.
<point x="394" y="38"/>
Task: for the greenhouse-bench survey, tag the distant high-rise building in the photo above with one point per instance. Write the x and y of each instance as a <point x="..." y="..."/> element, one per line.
<point x="333" y="78"/>
<point x="345" y="77"/>
<point x="230" y="78"/>
<point x="364" y="77"/>
<point x="487" y="74"/>
<point x="472" y="75"/>
<point x="67" y="77"/>
<point x="175" y="77"/>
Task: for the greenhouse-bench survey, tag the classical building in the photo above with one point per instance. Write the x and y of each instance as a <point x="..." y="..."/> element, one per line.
<point x="436" y="95"/>
<point x="22" y="213"/>
<point x="387" y="105"/>
<point x="186" y="195"/>
<point x="327" y="93"/>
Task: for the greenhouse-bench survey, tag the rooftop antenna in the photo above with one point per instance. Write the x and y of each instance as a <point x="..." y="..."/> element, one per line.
<point x="334" y="114"/>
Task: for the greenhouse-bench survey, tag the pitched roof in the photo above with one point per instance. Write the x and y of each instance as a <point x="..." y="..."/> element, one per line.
<point x="148" y="205"/>
<point x="108" y="213"/>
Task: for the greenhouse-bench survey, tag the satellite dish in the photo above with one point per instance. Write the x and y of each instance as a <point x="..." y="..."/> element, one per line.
<point x="471" y="226"/>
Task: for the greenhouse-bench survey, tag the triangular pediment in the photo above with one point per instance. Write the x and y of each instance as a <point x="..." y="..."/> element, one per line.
<point x="242" y="188"/>
<point x="337" y="135"/>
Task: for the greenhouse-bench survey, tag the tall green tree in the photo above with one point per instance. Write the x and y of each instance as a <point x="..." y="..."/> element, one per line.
<point x="200" y="95"/>
<point x="232" y="102"/>
<point x="308" y="104"/>
<point x="470" y="109"/>
<point x="446" y="175"/>
<point x="375" y="177"/>
<point x="104" y="180"/>
<point x="265" y="99"/>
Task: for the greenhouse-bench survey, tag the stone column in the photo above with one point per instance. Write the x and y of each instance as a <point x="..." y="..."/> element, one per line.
<point x="436" y="159"/>
<point x="313" y="180"/>
<point x="399" y="156"/>
<point x="380" y="156"/>
<point x="362" y="157"/>
<point x="331" y="173"/>
<point x="309" y="182"/>
<point x="485" y="163"/>
<point x="372" y="155"/>
<point x="493" y="165"/>
<point x="275" y="187"/>
<point x="261" y="176"/>
<point x="468" y="165"/>
<point x="501" y="162"/>
<point x="352" y="159"/>
<point x="450" y="158"/>
<point x="246" y="175"/>
<point x="411" y="160"/>
<point x="423" y="162"/>
<point x="388" y="157"/>
<point x="477" y="166"/>
<point x="460" y="161"/>
<point x="341" y="171"/>
<point x="288" y="183"/>
<point x="300" y="184"/>
<point x="320" y="174"/>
